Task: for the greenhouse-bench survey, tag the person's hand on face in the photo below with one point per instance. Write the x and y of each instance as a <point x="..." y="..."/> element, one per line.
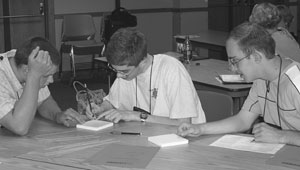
<point x="39" y="63"/>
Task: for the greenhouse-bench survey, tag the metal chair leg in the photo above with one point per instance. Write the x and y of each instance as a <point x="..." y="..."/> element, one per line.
<point x="73" y="62"/>
<point x="73" y="68"/>
<point x="108" y="82"/>
<point x="61" y="64"/>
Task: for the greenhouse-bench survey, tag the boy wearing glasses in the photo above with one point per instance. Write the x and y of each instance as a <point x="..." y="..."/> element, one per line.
<point x="151" y="88"/>
<point x="25" y="74"/>
<point x="274" y="94"/>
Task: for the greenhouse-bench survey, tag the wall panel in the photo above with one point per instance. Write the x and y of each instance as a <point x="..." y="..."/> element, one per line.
<point x="82" y="6"/>
<point x="156" y="18"/>
<point x="158" y="29"/>
<point x="147" y="4"/>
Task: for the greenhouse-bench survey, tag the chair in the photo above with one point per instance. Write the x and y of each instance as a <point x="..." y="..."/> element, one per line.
<point x="78" y="34"/>
<point x="216" y="105"/>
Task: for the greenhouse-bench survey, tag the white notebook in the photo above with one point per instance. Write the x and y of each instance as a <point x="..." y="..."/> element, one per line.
<point x="168" y="140"/>
<point x="95" y="125"/>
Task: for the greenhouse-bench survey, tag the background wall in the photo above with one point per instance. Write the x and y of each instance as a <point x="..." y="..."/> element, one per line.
<point x="293" y="27"/>
<point x="66" y="7"/>
<point x="159" y="20"/>
<point x="1" y="30"/>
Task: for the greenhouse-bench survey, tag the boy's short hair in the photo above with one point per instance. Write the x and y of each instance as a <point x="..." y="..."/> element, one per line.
<point x="266" y="15"/>
<point x="23" y="52"/>
<point x="252" y="37"/>
<point x="127" y="46"/>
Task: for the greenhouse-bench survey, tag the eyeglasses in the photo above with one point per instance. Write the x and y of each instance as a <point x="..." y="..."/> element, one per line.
<point x="233" y="61"/>
<point x="123" y="72"/>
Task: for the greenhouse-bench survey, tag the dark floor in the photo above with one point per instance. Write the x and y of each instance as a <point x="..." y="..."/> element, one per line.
<point x="64" y="93"/>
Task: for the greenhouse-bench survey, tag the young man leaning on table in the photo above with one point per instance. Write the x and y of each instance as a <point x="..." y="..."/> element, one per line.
<point x="158" y="84"/>
<point x="274" y="94"/>
<point x="25" y="74"/>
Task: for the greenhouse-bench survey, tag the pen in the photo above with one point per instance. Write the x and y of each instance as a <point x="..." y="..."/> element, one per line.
<point x="88" y="98"/>
<point x="274" y="126"/>
<point x="125" y="133"/>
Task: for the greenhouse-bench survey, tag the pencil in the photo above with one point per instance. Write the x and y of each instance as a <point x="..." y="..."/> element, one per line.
<point x="125" y="133"/>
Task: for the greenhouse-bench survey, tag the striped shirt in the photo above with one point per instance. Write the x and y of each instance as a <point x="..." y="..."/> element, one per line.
<point x="10" y="87"/>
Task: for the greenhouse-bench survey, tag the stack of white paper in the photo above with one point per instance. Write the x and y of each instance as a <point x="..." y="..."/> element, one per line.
<point x="168" y="140"/>
<point x="95" y="125"/>
<point x="246" y="143"/>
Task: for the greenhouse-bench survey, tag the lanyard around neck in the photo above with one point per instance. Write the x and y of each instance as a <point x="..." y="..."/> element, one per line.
<point x="149" y="87"/>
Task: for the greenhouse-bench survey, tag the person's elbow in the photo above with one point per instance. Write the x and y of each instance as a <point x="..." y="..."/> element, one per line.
<point x="18" y="126"/>
<point x="20" y="130"/>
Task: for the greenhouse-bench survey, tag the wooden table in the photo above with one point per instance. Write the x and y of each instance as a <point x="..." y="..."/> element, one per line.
<point x="204" y="78"/>
<point x="196" y="155"/>
<point x="204" y="73"/>
<point x="212" y="40"/>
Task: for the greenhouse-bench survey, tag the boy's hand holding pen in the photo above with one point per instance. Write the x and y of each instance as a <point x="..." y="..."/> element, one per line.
<point x="92" y="110"/>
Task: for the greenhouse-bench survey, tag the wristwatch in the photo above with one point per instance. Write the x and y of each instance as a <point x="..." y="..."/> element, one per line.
<point x="143" y="116"/>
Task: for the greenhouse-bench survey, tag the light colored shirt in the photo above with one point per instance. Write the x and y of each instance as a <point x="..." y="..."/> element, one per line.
<point x="173" y="94"/>
<point x="10" y="88"/>
<point x="261" y="96"/>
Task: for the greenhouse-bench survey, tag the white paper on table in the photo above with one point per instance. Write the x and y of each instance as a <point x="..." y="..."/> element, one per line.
<point x="245" y="143"/>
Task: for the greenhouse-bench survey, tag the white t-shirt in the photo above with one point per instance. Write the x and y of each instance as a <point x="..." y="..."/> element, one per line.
<point x="173" y="94"/>
<point x="10" y="88"/>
